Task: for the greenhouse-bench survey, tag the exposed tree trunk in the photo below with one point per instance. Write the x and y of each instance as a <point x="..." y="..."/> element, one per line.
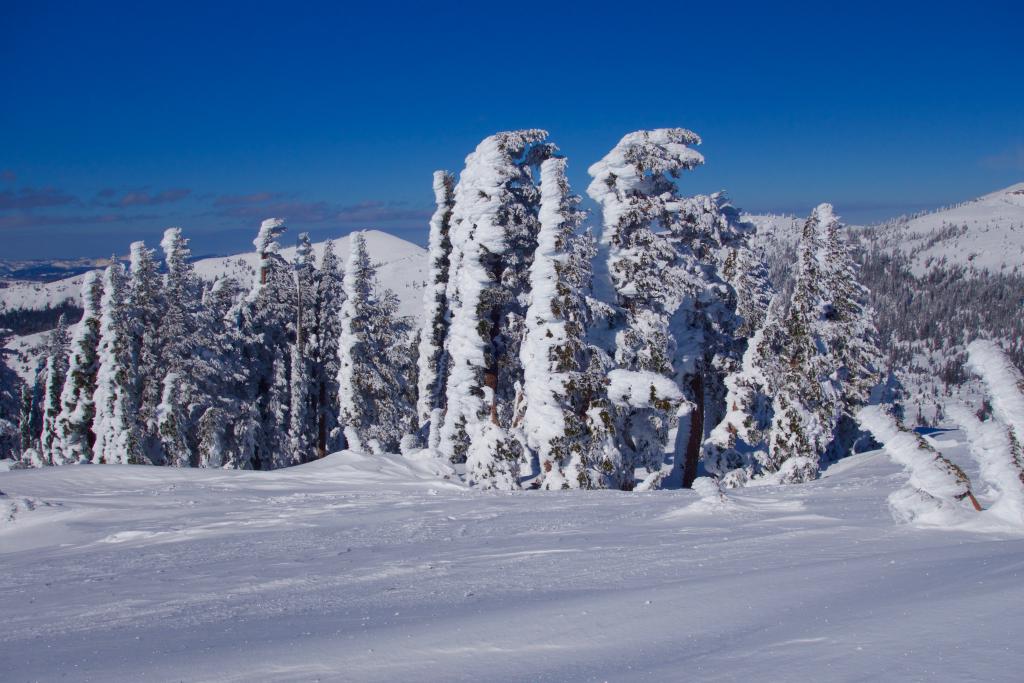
<point x="321" y="427"/>
<point x="696" y="436"/>
<point x="491" y="380"/>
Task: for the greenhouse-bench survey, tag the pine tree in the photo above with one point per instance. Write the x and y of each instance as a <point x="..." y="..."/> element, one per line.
<point x="117" y="439"/>
<point x="556" y="394"/>
<point x="224" y="376"/>
<point x="494" y="228"/>
<point x="302" y="411"/>
<point x="268" y="320"/>
<point x="74" y="423"/>
<point x="330" y="295"/>
<point x="26" y="421"/>
<point x="55" y="373"/>
<point x="374" y="397"/>
<point x="181" y="395"/>
<point x="432" y="359"/>
<point x="805" y="399"/>
<point x="666" y="257"/>
<point x="849" y="334"/>
<point x="145" y="314"/>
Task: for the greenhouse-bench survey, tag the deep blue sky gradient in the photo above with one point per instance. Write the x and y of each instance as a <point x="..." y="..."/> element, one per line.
<point x="121" y="119"/>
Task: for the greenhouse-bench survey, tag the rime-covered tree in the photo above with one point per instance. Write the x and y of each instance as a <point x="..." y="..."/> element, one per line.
<point x="559" y="390"/>
<point x="146" y="307"/>
<point x="181" y="395"/>
<point x="849" y="335"/>
<point x="432" y="359"/>
<point x="373" y="390"/>
<point x="115" y="428"/>
<point x="806" y="403"/>
<point x="493" y="232"/>
<point x="74" y="423"/>
<point x="330" y="294"/>
<point x="225" y="423"/>
<point x="268" y="320"/>
<point x="55" y="372"/>
<point x="26" y="420"/>
<point x="302" y="409"/>
<point x="666" y="255"/>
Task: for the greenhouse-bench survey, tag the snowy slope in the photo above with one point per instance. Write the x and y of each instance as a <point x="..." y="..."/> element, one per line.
<point x="984" y="234"/>
<point x="403" y="269"/>
<point x="371" y="569"/>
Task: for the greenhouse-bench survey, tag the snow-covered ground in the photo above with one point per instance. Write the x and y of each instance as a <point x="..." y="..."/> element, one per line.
<point x="375" y="569"/>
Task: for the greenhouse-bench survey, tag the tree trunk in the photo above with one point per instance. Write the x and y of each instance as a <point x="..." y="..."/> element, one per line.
<point x="696" y="436"/>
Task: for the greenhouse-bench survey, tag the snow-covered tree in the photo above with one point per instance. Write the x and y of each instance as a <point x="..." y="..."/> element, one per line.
<point x="432" y="359"/>
<point x="806" y="404"/>
<point x="145" y="314"/>
<point x="936" y="485"/>
<point x="55" y="373"/>
<point x="494" y="227"/>
<point x="330" y="294"/>
<point x="375" y="407"/>
<point x="998" y="442"/>
<point x="557" y="393"/>
<point x="115" y="428"/>
<point x="74" y="423"/>
<point x="268" y="320"/>
<point x="181" y="396"/>
<point x="1000" y="459"/>
<point x="1003" y="381"/>
<point x="26" y="410"/>
<point x="667" y="257"/>
<point x="302" y="410"/>
<point x="849" y="334"/>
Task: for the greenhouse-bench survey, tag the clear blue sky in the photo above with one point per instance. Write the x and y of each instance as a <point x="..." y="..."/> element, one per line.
<point x="118" y="120"/>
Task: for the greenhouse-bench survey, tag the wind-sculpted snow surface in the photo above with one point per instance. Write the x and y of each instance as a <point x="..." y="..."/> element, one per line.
<point x="376" y="568"/>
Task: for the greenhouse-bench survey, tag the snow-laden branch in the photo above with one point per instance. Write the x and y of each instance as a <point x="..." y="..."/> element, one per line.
<point x="935" y="483"/>
<point x="1004" y="382"/>
<point x="999" y="456"/>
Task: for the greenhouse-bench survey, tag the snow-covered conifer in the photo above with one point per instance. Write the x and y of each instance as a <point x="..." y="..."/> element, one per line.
<point x="1000" y="459"/>
<point x="115" y="428"/>
<point x="494" y="228"/>
<point x="667" y="257"/>
<point x="26" y="420"/>
<point x="1004" y="382"/>
<point x="180" y="330"/>
<point x="55" y="373"/>
<point x="268" y="321"/>
<point x="432" y="359"/>
<point x="373" y="393"/>
<point x="74" y="423"/>
<point x="302" y="425"/>
<point x="806" y="404"/>
<point x="145" y="314"/>
<point x="849" y="335"/>
<point x="555" y="398"/>
<point x="330" y="294"/>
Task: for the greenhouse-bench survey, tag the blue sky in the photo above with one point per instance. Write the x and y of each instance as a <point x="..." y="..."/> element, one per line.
<point x="122" y="119"/>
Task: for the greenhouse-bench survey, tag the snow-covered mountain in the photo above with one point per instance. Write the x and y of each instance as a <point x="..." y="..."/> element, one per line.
<point x="984" y="234"/>
<point x="402" y="269"/>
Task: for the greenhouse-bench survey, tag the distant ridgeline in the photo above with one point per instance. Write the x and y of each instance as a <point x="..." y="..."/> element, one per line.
<point x="525" y="369"/>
